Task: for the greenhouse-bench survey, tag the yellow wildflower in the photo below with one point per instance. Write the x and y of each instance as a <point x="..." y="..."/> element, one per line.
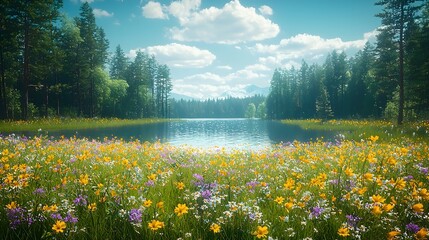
<point x="180" y="185"/>
<point x="12" y="205"/>
<point x="92" y="207"/>
<point x="181" y="209"/>
<point x="160" y="205"/>
<point x="147" y="203"/>
<point x="261" y="232"/>
<point x="84" y="179"/>
<point x="215" y="228"/>
<point x="376" y="210"/>
<point x="343" y="232"/>
<point x="373" y="138"/>
<point x="289" y="184"/>
<point x="59" y="226"/>
<point x="349" y="172"/>
<point x="279" y="200"/>
<point x="155" y="225"/>
<point x="378" y="199"/>
<point x="388" y="207"/>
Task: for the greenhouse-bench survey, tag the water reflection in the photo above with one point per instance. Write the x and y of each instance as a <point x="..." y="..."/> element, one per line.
<point x="230" y="133"/>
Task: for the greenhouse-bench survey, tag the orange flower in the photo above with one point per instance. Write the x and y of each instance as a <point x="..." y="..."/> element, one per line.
<point x="392" y="234"/>
<point x="422" y="234"/>
<point x="418" y="208"/>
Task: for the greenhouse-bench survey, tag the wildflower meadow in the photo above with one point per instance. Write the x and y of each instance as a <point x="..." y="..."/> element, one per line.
<point x="71" y="188"/>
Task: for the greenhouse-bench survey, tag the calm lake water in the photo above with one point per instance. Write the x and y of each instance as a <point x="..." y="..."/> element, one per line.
<point x="208" y="133"/>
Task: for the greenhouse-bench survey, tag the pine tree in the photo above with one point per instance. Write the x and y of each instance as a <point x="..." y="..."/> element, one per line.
<point x="396" y="17"/>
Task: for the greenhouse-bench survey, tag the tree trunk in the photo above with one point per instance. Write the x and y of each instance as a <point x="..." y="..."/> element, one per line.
<point x="26" y="68"/>
<point x="4" y="106"/>
<point x="401" y="67"/>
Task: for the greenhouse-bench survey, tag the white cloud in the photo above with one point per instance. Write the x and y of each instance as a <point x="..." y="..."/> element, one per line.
<point x="182" y="9"/>
<point x="101" y="13"/>
<point x="225" y="67"/>
<point x="153" y="10"/>
<point x="290" y="51"/>
<point x="179" y="55"/>
<point x="212" y="85"/>
<point x="265" y="10"/>
<point x="231" y="24"/>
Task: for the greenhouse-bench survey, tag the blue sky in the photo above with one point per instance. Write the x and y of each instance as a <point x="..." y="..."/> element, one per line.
<point x="220" y="46"/>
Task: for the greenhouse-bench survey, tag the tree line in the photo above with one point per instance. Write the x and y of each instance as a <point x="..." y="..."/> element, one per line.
<point x="51" y="65"/>
<point x="388" y="79"/>
<point x="219" y="108"/>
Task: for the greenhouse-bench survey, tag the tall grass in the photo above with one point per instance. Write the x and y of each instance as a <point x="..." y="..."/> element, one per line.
<point x="358" y="129"/>
<point x="112" y="189"/>
<point x="71" y="123"/>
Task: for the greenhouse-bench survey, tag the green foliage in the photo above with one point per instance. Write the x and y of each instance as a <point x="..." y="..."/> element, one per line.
<point x="52" y="62"/>
<point x="250" y="111"/>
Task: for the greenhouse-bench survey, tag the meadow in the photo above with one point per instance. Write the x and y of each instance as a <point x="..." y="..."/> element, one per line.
<point x="69" y="188"/>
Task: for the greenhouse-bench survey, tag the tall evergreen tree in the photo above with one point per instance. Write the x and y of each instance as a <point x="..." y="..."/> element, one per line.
<point x="163" y="89"/>
<point x="397" y="16"/>
<point x="119" y="64"/>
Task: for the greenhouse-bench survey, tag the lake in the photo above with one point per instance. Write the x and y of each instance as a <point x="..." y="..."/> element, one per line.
<point x="207" y="133"/>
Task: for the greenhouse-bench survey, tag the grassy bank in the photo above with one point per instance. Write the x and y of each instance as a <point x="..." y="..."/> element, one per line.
<point x="360" y="129"/>
<point x="71" y="123"/>
<point x="80" y="189"/>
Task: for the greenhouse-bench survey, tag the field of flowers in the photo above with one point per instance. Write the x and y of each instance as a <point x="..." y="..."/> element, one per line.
<point x="112" y="189"/>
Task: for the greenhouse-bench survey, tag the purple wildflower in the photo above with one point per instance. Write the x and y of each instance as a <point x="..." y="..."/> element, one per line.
<point x="352" y="220"/>
<point x="56" y="216"/>
<point x="412" y="227"/>
<point x="69" y="218"/>
<point x="80" y="201"/>
<point x="424" y="170"/>
<point x="199" y="180"/>
<point x="135" y="216"/>
<point x="316" y="212"/>
<point x="333" y="181"/>
<point x="149" y="183"/>
<point x="39" y="191"/>
<point x="206" y="194"/>
<point x="16" y="216"/>
<point x="251" y="185"/>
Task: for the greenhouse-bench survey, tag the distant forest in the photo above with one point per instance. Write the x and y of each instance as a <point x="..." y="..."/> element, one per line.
<point x="51" y="65"/>
<point x="389" y="79"/>
<point x="250" y="107"/>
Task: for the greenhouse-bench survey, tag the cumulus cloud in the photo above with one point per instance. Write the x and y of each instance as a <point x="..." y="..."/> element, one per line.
<point x="231" y="24"/>
<point x="290" y="51"/>
<point x="265" y="10"/>
<point x="212" y="85"/>
<point x="182" y="9"/>
<point x="101" y="13"/>
<point x="153" y="10"/>
<point x="179" y="55"/>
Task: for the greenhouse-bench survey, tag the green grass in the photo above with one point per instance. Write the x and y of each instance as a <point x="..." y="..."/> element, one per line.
<point x="52" y="124"/>
<point x="360" y="129"/>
